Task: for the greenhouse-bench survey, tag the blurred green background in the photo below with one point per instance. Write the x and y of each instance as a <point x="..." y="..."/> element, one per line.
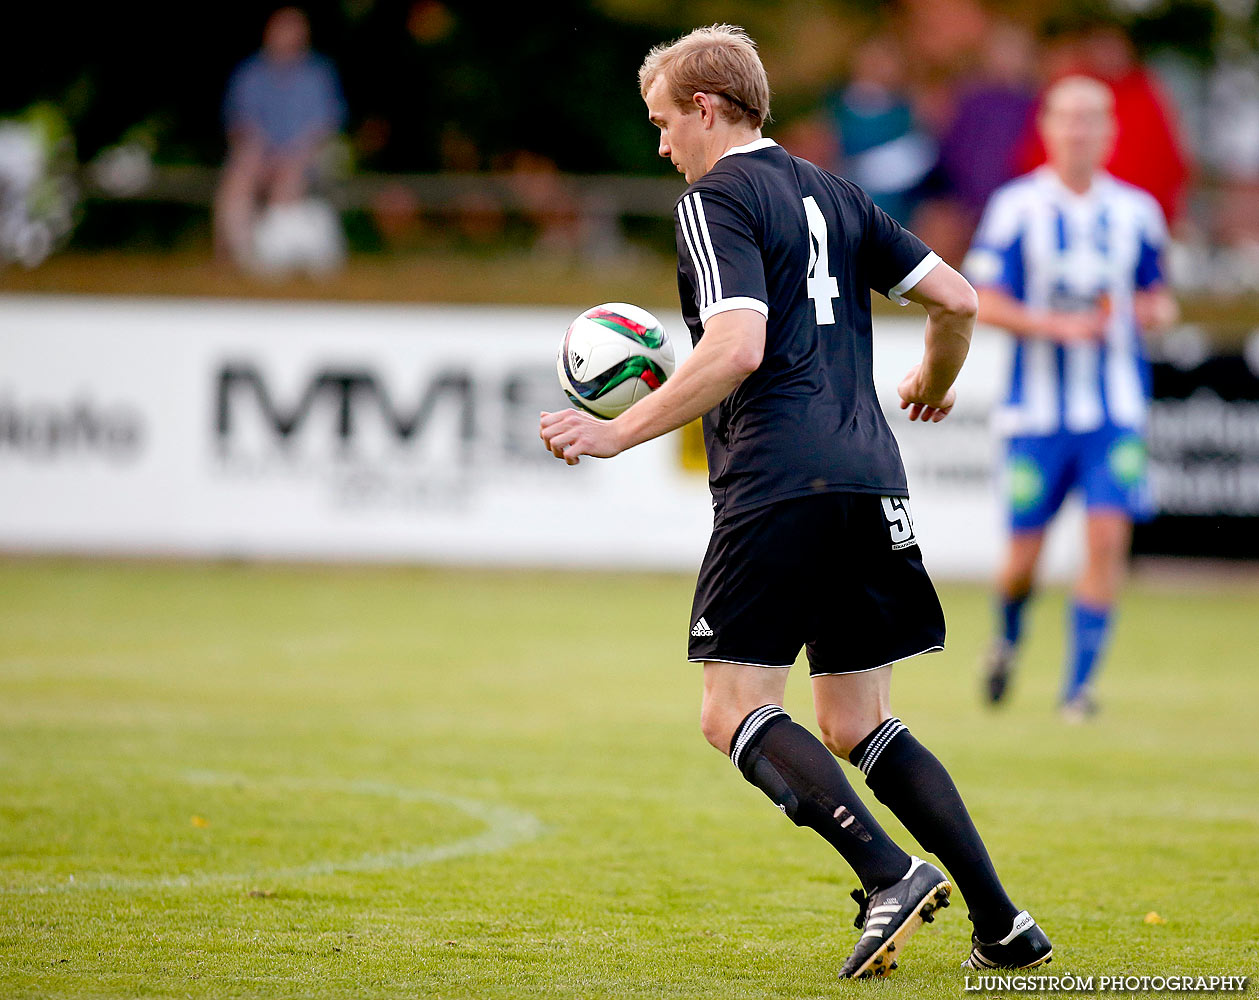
<point x="512" y="140"/>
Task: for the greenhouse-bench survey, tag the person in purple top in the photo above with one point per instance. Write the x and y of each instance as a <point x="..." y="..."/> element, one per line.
<point x="977" y="152"/>
<point x="282" y="104"/>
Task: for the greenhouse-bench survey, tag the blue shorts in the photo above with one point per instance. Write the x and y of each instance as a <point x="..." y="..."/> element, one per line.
<point x="1107" y="465"/>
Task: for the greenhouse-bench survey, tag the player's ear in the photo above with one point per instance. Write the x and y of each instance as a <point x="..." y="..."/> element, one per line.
<point x="703" y="104"/>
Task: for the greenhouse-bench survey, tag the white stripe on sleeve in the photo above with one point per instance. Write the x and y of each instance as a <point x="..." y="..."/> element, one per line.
<point x="708" y="245"/>
<point x="703" y="289"/>
<point x="734" y="302"/>
<point x="925" y="267"/>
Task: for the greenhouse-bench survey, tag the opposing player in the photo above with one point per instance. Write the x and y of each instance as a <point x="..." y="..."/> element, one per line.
<point x="813" y="543"/>
<point x="1067" y="258"/>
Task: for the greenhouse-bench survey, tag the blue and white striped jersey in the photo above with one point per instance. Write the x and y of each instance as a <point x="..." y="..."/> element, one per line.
<point x="1053" y="249"/>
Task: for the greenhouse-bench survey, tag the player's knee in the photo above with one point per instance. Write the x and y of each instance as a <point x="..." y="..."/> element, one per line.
<point x="838" y="737"/>
<point x="716" y="725"/>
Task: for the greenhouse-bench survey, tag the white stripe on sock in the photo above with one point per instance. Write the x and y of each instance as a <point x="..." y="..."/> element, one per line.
<point x="883" y="736"/>
<point x="751" y="726"/>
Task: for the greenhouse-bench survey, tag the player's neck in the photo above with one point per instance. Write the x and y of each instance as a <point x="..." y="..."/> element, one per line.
<point x="1077" y="180"/>
<point x="728" y="140"/>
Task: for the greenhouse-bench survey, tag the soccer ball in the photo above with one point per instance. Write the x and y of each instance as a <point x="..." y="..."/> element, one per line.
<point x="612" y="356"/>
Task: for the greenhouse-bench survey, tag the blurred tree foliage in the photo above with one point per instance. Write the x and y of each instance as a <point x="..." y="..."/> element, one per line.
<point x="427" y="82"/>
<point x="455" y="84"/>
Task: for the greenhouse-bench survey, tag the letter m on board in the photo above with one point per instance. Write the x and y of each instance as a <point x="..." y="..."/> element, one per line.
<point x="346" y="387"/>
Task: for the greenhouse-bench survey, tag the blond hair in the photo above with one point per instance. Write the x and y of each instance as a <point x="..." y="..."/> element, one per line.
<point x="721" y="60"/>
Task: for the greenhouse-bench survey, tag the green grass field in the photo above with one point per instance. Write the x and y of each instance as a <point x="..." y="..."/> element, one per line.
<point x="222" y="781"/>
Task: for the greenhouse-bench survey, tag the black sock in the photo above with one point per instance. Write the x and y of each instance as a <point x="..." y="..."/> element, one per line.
<point x="907" y="778"/>
<point x="792" y="767"/>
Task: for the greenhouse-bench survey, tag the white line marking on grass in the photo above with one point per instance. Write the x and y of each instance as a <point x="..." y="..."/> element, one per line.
<point x="504" y="827"/>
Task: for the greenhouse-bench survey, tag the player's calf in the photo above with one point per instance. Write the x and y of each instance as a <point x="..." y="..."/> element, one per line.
<point x="799" y="775"/>
<point x="911" y="781"/>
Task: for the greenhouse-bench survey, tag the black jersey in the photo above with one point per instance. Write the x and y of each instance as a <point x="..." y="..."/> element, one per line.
<point x="768" y="231"/>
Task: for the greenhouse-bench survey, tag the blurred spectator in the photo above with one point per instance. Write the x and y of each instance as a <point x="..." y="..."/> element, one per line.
<point x="1232" y="149"/>
<point x="282" y="105"/>
<point x="395" y="211"/>
<point x="546" y="201"/>
<point x="883" y="149"/>
<point x="978" y="149"/>
<point x="940" y="33"/>
<point x="478" y="216"/>
<point x="1147" y="149"/>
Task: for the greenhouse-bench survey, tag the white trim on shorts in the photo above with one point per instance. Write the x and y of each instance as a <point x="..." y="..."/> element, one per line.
<point x="907" y="656"/>
<point x="740" y="663"/>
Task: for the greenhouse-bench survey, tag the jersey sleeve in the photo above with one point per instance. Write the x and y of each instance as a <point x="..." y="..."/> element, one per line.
<point x="718" y="253"/>
<point x="995" y="258"/>
<point x="895" y="258"/>
<point x="1153" y="241"/>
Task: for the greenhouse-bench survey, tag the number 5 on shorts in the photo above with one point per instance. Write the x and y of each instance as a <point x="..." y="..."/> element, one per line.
<point x="900" y="522"/>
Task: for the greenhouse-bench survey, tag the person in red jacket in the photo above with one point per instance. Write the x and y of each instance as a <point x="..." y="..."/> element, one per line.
<point x="1148" y="151"/>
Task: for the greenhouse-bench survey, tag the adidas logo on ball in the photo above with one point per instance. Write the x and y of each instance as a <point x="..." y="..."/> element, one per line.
<point x="612" y="356"/>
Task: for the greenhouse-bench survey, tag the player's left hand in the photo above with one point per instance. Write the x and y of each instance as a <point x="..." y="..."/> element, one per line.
<point x="570" y="434"/>
<point x="920" y="402"/>
<point x="1155" y="310"/>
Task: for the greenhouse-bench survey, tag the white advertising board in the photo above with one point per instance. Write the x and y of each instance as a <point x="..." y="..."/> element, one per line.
<point x="338" y="432"/>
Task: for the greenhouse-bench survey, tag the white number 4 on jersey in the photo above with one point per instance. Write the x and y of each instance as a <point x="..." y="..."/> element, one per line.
<point x="819" y="284"/>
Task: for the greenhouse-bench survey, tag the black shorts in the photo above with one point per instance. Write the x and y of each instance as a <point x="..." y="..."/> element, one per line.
<point x="838" y="573"/>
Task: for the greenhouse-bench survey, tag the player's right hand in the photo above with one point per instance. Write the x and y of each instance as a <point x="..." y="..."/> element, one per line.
<point x="921" y="403"/>
<point x="569" y="434"/>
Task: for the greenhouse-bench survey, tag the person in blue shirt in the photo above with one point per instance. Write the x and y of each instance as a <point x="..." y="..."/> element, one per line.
<point x="1068" y="260"/>
<point x="282" y="104"/>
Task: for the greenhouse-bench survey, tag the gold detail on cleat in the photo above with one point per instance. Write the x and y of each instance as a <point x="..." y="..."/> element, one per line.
<point x="878" y="964"/>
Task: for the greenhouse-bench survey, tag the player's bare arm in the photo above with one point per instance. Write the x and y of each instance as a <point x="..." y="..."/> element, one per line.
<point x="1155" y="309"/>
<point x="1000" y="309"/>
<point x="927" y="391"/>
<point x="730" y="350"/>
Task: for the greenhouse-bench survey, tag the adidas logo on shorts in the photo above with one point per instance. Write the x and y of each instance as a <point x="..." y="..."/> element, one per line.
<point x="700" y="628"/>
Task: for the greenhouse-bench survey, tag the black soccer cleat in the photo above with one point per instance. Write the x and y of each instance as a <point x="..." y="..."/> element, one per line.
<point x="998" y="669"/>
<point x="889" y="916"/>
<point x="1025" y="947"/>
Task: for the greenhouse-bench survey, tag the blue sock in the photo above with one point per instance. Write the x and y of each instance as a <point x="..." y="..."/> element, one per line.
<point x="1090" y="628"/>
<point x="1012" y="617"/>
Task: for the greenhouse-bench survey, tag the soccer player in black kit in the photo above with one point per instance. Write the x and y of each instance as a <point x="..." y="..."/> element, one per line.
<point x="813" y="542"/>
